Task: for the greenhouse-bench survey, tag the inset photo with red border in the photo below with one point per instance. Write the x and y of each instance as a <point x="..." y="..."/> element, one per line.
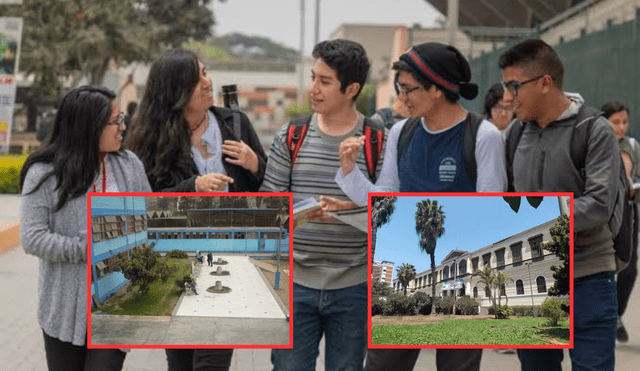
<point x="471" y="270"/>
<point x="189" y="270"/>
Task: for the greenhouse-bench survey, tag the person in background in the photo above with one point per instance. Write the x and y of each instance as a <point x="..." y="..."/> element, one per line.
<point x="617" y="112"/>
<point x="128" y="118"/>
<point x="500" y="114"/>
<point x="83" y="154"/>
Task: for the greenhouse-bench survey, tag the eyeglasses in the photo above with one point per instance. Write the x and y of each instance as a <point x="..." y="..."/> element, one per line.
<point x="404" y="91"/>
<point x="119" y="121"/>
<point x="513" y="86"/>
<point x="502" y="109"/>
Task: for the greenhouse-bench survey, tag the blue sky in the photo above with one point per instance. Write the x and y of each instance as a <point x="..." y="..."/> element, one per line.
<point x="479" y="221"/>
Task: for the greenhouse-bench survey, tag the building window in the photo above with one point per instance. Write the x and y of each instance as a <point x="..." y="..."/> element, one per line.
<point x="542" y="285"/>
<point x="519" y="287"/>
<point x="503" y="291"/>
<point x="516" y="254"/>
<point x="500" y="258"/>
<point x="463" y="267"/>
<point x="151" y="236"/>
<point x="487" y="292"/>
<point x="453" y="270"/>
<point x="474" y="264"/>
<point x="475" y="292"/>
<point x="486" y="260"/>
<point x="536" y="247"/>
<point x="445" y="273"/>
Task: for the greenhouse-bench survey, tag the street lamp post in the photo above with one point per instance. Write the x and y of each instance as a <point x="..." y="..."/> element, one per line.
<point x="533" y="309"/>
<point x="280" y="219"/>
<point x="455" y="276"/>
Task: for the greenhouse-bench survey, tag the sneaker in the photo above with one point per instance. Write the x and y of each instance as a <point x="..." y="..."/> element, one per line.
<point x="621" y="334"/>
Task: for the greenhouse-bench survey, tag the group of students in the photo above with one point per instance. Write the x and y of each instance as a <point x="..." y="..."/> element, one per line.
<point x="180" y="142"/>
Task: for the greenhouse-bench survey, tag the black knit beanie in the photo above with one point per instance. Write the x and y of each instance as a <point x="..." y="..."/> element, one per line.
<point x="443" y="65"/>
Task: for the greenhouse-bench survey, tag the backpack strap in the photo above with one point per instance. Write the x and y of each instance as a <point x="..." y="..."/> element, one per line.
<point x="295" y="136"/>
<point x="406" y="134"/>
<point x="471" y="124"/>
<point x="580" y="137"/>
<point x="513" y="138"/>
<point x="374" y="139"/>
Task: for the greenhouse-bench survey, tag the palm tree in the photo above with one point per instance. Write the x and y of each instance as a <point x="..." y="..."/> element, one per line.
<point x="500" y="281"/>
<point x="430" y="227"/>
<point x="405" y="274"/>
<point x="487" y="277"/>
<point x="381" y="210"/>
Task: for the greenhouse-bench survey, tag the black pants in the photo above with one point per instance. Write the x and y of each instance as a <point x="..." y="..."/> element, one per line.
<point x="405" y="359"/>
<point x="627" y="278"/>
<point x="199" y="359"/>
<point x="63" y="356"/>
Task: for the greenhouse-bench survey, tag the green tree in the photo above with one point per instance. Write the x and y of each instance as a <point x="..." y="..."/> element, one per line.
<point x="73" y="39"/>
<point x="381" y="210"/>
<point x="560" y="245"/>
<point x="380" y="289"/>
<point x="430" y="226"/>
<point x="488" y="279"/>
<point x="495" y="283"/>
<point x="144" y="267"/>
<point x="405" y="274"/>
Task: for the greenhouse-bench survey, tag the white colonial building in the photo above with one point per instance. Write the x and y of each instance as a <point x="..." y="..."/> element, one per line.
<point x="520" y="257"/>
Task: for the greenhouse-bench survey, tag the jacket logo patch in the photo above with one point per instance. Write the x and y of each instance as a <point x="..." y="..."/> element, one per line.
<point x="447" y="169"/>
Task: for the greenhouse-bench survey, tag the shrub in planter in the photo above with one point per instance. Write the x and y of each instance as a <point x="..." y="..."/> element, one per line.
<point x="466" y="306"/>
<point x="552" y="309"/>
<point x="177" y="254"/>
<point x="10" y="167"/>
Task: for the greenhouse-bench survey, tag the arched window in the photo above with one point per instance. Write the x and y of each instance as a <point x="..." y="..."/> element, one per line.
<point x="503" y="291"/>
<point x="542" y="285"/>
<point x="487" y="292"/>
<point x="445" y="273"/>
<point x="475" y="292"/>
<point x="453" y="270"/>
<point x="519" y="287"/>
<point x="462" y="267"/>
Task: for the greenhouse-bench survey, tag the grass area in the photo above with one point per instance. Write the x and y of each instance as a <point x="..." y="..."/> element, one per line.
<point x="520" y="331"/>
<point x="158" y="301"/>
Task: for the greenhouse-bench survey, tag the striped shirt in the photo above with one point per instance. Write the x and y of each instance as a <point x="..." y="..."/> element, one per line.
<point x="326" y="256"/>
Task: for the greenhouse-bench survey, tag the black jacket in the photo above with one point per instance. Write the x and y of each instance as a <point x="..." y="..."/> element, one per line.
<point x="244" y="181"/>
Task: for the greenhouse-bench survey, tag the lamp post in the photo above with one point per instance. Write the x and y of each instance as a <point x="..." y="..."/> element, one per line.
<point x="455" y="276"/>
<point x="533" y="309"/>
<point x="281" y="218"/>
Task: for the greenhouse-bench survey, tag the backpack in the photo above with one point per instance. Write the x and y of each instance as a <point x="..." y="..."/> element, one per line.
<point x="621" y="220"/>
<point x="471" y="124"/>
<point x="384" y="116"/>
<point x="374" y="138"/>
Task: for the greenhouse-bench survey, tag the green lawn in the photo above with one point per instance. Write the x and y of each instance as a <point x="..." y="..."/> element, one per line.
<point x="520" y="331"/>
<point x="159" y="300"/>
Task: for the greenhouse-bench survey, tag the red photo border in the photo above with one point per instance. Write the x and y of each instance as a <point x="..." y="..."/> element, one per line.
<point x="190" y="346"/>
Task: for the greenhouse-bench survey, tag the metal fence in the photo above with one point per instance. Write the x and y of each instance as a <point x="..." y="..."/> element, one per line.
<point x="601" y="66"/>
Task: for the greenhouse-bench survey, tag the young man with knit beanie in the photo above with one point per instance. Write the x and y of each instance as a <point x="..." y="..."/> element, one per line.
<point x="548" y="119"/>
<point x="431" y="79"/>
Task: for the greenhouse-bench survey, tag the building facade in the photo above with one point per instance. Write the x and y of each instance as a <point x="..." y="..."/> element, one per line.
<point x="520" y="257"/>
<point x="118" y="224"/>
<point x="382" y="271"/>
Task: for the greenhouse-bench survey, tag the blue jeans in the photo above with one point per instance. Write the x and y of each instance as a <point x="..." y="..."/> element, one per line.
<point x="595" y="315"/>
<point x="341" y="315"/>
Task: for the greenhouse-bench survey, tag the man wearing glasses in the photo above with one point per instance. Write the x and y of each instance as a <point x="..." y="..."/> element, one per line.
<point x="431" y="78"/>
<point x="548" y="119"/>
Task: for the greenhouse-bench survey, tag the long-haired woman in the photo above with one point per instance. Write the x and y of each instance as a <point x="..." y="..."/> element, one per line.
<point x="83" y="154"/>
<point x="185" y="143"/>
<point x="188" y="145"/>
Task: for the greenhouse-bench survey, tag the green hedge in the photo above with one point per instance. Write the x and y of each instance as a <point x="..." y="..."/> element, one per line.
<point x="10" y="166"/>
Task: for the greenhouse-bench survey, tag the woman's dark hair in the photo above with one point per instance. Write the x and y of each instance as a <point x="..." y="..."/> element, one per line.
<point x="494" y="94"/>
<point x="73" y="148"/>
<point x="160" y="135"/>
<point x="613" y="107"/>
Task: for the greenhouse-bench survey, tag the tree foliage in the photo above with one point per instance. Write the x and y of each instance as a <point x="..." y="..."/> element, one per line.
<point x="429" y="227"/>
<point x="71" y="39"/>
<point x="380" y="289"/>
<point x="144" y="267"/>
<point x="560" y="245"/>
<point x="405" y="273"/>
<point x="495" y="282"/>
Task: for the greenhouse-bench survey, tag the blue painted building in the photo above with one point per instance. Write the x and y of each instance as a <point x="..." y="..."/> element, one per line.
<point x="220" y="230"/>
<point x="118" y="224"/>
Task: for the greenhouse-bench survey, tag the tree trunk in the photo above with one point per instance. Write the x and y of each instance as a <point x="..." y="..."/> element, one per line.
<point x="374" y="233"/>
<point x="433" y="282"/>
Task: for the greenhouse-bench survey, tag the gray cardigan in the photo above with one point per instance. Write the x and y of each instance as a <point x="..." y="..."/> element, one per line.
<point x="59" y="239"/>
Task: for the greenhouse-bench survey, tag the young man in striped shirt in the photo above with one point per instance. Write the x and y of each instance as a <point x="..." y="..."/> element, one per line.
<point x="329" y="257"/>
